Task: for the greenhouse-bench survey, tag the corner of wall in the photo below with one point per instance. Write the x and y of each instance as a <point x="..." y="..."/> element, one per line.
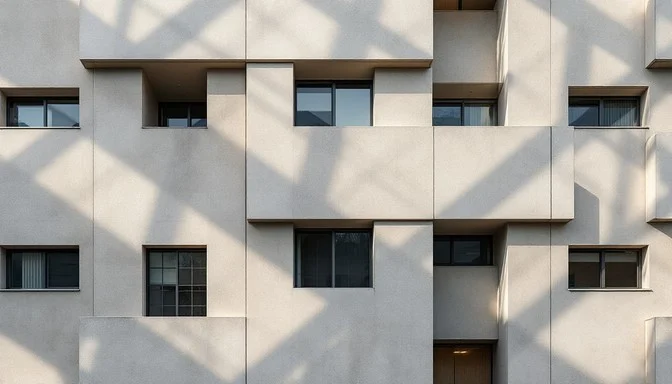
<point x="150" y="107"/>
<point x="651" y="178"/>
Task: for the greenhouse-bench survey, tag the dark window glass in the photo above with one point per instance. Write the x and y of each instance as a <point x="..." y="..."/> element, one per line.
<point x="333" y="259"/>
<point x="42" y="269"/>
<point x="449" y="114"/>
<point x="604" y="268"/>
<point x="603" y="112"/>
<point x="183" y="115"/>
<point x="333" y="104"/>
<point x="315" y="259"/>
<point x="584" y="270"/>
<point x="36" y="112"/>
<point x="352" y="254"/>
<point x="176" y="282"/>
<point x="621" y="269"/>
<point x="584" y="113"/>
<point x="63" y="270"/>
<point x="313" y="106"/>
<point x="466" y="113"/>
<point x="462" y="250"/>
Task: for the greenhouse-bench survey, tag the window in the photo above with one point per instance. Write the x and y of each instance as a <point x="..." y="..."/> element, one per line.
<point x="333" y="104"/>
<point x="333" y="259"/>
<point x="467" y="113"/>
<point x="176" y="282"/>
<point x="604" y="111"/>
<point x="30" y="112"/>
<point x="604" y="268"/>
<point x="462" y="250"/>
<point x="183" y="115"/>
<point x="459" y="5"/>
<point x="42" y="269"/>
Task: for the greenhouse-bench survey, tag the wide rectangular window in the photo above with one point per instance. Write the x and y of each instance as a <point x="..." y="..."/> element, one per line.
<point x="183" y="115"/>
<point x="30" y="112"/>
<point x="176" y="282"/>
<point x="42" y="269"/>
<point x="604" y="111"/>
<point x="462" y="250"/>
<point x="604" y="268"/>
<point x="333" y="258"/>
<point x="464" y="112"/>
<point x="333" y="104"/>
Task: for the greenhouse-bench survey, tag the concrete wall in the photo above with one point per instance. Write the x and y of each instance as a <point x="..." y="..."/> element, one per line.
<point x="659" y="177"/>
<point x="658" y="30"/>
<point x="161" y="29"/>
<point x="172" y="350"/>
<point x="465" y="47"/>
<point x="341" y="335"/>
<point x="158" y="187"/>
<point x="336" y="30"/>
<point x="658" y="350"/>
<point x="465" y="303"/>
<point x="502" y="172"/>
<point x="334" y="172"/>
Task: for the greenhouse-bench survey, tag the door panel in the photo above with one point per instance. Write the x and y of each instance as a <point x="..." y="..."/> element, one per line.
<point x="463" y="364"/>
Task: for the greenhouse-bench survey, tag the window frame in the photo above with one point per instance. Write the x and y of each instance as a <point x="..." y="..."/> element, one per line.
<point x="148" y="284"/>
<point x="297" y="255"/>
<point x="462" y="103"/>
<point x="603" y="265"/>
<point x="600" y="110"/>
<point x="486" y="240"/>
<point x="163" y="122"/>
<point x="333" y="84"/>
<point x="12" y="102"/>
<point x="9" y="279"/>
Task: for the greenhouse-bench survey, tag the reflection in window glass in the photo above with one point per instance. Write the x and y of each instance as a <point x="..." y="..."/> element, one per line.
<point x="29" y="115"/>
<point x="313" y="106"/>
<point x="62" y="114"/>
<point x="176" y="283"/>
<point x="352" y="259"/>
<point x="175" y="115"/>
<point x="198" y="115"/>
<point x="314" y="258"/>
<point x="621" y="269"/>
<point x="468" y="252"/>
<point x="618" y="113"/>
<point x="462" y="250"/>
<point x="447" y="115"/>
<point x="584" y="270"/>
<point x="353" y="107"/>
<point x="584" y="113"/>
<point x="442" y="250"/>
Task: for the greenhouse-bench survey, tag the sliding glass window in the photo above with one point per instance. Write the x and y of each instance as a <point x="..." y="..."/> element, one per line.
<point x="31" y="112"/>
<point x="604" y="112"/>
<point x="464" y="113"/>
<point x="333" y="103"/>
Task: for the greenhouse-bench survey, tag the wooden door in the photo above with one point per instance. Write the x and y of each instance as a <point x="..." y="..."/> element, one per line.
<point x="457" y="364"/>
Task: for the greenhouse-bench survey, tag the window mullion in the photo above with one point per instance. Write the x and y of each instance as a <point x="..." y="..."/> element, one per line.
<point x="188" y="115"/>
<point x="333" y="259"/>
<point x="602" y="270"/>
<point x="333" y="104"/>
<point x="44" y="113"/>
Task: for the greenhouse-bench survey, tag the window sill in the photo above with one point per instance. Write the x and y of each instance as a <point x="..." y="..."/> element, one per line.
<point x="608" y="127"/>
<point x="610" y="289"/>
<point x="181" y="128"/>
<point x="42" y="290"/>
<point x="38" y="128"/>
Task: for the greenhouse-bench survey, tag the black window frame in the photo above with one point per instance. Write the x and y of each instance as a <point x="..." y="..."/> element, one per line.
<point x="12" y="102"/>
<point x="10" y="253"/>
<point x="603" y="263"/>
<point x="462" y="103"/>
<point x="486" y="246"/>
<point x="148" y="284"/>
<point x="335" y="84"/>
<point x="163" y="121"/>
<point x="297" y="256"/>
<point x="599" y="101"/>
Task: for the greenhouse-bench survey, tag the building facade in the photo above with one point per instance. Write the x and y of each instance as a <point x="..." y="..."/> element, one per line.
<point x="336" y="191"/>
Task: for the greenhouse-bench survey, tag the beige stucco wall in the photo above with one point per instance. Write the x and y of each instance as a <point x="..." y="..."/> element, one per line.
<point x="159" y="187"/>
<point x="658" y="350"/>
<point x="307" y="335"/>
<point x="659" y="177"/>
<point x="162" y="29"/>
<point x="333" y="30"/>
<point x="501" y="172"/>
<point x="209" y="350"/>
<point x="334" y="172"/>
<point x="465" y="47"/>
<point x="465" y="303"/>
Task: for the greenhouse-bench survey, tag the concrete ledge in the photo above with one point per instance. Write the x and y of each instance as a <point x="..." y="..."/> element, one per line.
<point x="161" y="350"/>
<point x="659" y="178"/>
